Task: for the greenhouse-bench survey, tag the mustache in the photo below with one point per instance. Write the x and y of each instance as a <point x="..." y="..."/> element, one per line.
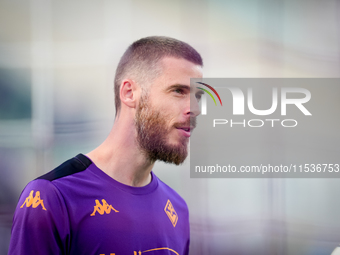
<point x="193" y="121"/>
<point x="190" y="122"/>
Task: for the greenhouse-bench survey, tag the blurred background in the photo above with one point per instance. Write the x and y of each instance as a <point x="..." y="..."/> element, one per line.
<point x="57" y="63"/>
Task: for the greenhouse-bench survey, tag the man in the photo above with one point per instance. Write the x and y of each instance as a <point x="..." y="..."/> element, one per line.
<point x="109" y="201"/>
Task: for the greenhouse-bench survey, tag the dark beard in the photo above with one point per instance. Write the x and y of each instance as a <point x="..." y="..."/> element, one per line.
<point x="152" y="133"/>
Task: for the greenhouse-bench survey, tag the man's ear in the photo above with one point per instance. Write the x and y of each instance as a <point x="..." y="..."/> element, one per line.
<point x="129" y="93"/>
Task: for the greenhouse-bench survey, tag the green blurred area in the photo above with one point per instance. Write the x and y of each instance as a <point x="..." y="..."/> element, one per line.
<point x="15" y="94"/>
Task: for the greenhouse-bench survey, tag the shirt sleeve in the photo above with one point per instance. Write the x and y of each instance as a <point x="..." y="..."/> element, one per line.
<point x="186" y="251"/>
<point x="41" y="222"/>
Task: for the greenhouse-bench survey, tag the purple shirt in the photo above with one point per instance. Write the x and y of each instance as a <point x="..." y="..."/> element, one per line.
<point x="78" y="209"/>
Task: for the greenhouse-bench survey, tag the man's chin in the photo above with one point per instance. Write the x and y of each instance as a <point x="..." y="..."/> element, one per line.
<point x="177" y="160"/>
<point x="169" y="154"/>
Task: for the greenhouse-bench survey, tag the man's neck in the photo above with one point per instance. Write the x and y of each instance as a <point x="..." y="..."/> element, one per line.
<point x="120" y="158"/>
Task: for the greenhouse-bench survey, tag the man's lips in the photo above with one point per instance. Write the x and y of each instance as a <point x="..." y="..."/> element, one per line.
<point x="185" y="130"/>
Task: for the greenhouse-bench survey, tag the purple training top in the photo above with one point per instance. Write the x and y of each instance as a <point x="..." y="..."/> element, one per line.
<point x="78" y="209"/>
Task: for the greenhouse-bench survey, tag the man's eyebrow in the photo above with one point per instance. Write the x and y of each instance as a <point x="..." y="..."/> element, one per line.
<point x="178" y="86"/>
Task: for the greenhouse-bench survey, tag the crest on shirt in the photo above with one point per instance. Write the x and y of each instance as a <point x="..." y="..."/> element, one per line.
<point x="102" y="208"/>
<point x="170" y="211"/>
<point x="34" y="201"/>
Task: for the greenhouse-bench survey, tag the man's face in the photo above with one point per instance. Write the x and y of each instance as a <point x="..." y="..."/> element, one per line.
<point x="164" y="118"/>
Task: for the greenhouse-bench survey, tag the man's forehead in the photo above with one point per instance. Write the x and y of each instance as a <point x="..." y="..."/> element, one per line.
<point x="180" y="63"/>
<point x="179" y="71"/>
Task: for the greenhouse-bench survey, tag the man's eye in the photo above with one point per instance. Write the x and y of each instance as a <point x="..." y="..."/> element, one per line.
<point x="179" y="91"/>
<point x="198" y="97"/>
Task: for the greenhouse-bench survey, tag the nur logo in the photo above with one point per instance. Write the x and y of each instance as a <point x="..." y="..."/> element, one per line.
<point x="204" y="100"/>
<point x="102" y="208"/>
<point x="34" y="201"/>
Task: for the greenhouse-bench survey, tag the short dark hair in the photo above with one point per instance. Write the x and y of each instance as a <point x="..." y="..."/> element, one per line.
<point x="141" y="58"/>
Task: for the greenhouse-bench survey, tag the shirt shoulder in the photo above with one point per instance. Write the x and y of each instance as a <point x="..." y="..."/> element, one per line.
<point x="43" y="191"/>
<point x="74" y="165"/>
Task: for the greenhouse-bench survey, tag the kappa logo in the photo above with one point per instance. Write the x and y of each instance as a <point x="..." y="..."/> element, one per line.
<point x="34" y="201"/>
<point x="104" y="208"/>
<point x="170" y="211"/>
